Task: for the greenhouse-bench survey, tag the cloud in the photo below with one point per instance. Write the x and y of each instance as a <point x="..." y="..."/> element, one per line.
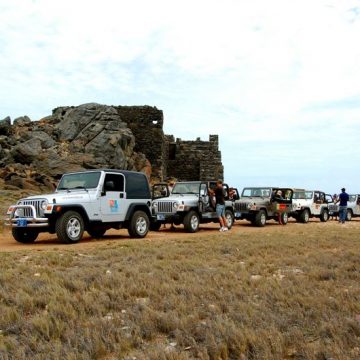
<point x="277" y="80"/>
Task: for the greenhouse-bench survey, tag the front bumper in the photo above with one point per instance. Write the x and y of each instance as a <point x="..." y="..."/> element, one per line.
<point x="14" y="220"/>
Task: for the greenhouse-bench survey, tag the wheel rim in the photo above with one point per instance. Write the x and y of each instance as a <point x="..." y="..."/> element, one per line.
<point x="285" y="218"/>
<point x="348" y="216"/>
<point x="73" y="228"/>
<point x="263" y="219"/>
<point x="326" y="215"/>
<point x="141" y="225"/>
<point x="229" y="220"/>
<point x="306" y="217"/>
<point x="194" y="222"/>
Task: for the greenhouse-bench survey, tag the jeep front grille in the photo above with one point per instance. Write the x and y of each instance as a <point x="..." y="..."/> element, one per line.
<point x="165" y="207"/>
<point x="241" y="207"/>
<point x="28" y="212"/>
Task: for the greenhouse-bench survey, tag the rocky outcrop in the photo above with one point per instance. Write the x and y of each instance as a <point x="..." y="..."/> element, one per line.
<point x="73" y="138"/>
<point x="34" y="154"/>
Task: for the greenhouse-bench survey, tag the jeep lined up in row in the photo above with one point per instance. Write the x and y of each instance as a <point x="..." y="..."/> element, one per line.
<point x="190" y="204"/>
<point x="92" y="201"/>
<point x="310" y="203"/>
<point x="353" y="208"/>
<point x="258" y="204"/>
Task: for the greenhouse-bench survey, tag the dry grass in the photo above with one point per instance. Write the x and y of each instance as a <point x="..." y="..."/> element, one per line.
<point x="258" y="295"/>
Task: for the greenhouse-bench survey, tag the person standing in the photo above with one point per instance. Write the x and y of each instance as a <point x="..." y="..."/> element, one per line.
<point x="343" y="200"/>
<point x="220" y="205"/>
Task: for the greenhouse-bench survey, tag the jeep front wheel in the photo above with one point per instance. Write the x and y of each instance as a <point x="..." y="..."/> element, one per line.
<point x="229" y="216"/>
<point x="25" y="236"/>
<point x="260" y="218"/>
<point x="305" y="216"/>
<point x="324" y="216"/>
<point x="70" y="227"/>
<point x="139" y="224"/>
<point x="348" y="215"/>
<point x="191" y="221"/>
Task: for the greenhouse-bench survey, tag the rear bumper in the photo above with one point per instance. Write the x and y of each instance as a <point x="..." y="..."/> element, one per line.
<point x="14" y="219"/>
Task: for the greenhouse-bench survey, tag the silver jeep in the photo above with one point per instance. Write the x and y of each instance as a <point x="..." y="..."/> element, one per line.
<point x="94" y="201"/>
<point x="258" y="204"/>
<point x="190" y="204"/>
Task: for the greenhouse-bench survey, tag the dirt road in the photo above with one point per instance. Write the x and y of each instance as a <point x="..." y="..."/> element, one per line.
<point x="47" y="241"/>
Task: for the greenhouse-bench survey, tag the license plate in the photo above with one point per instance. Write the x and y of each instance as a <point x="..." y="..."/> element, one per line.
<point x="21" y="223"/>
<point x="160" y="217"/>
<point x="237" y="214"/>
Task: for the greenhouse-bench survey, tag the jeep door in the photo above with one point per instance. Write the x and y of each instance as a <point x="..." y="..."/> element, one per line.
<point x="318" y="201"/>
<point x="113" y="198"/>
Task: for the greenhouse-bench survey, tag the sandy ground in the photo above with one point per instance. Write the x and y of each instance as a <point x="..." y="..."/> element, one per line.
<point x="47" y="241"/>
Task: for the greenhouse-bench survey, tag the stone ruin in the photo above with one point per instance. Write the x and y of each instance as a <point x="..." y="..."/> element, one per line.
<point x="34" y="154"/>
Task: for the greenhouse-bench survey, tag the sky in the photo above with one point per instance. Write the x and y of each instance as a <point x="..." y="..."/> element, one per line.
<point x="279" y="80"/>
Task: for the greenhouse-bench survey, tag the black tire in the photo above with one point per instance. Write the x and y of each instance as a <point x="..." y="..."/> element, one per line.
<point x="24" y="235"/>
<point x="260" y="219"/>
<point x="96" y="232"/>
<point x="139" y="225"/>
<point x="155" y="226"/>
<point x="69" y="227"/>
<point x="348" y="215"/>
<point x="229" y="216"/>
<point x="304" y="216"/>
<point x="324" y="216"/>
<point x="191" y="221"/>
<point x="284" y="218"/>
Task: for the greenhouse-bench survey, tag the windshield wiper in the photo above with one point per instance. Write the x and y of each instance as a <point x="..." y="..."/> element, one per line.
<point x="64" y="188"/>
<point x="81" y="187"/>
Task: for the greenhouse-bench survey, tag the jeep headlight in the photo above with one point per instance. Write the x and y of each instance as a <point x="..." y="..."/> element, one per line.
<point x="175" y="205"/>
<point x="154" y="205"/>
<point x="249" y="206"/>
<point x="44" y="204"/>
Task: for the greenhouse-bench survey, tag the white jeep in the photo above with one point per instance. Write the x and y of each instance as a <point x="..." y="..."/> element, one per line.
<point x="310" y="203"/>
<point x="94" y="201"/>
<point x="353" y="207"/>
<point x="190" y="204"/>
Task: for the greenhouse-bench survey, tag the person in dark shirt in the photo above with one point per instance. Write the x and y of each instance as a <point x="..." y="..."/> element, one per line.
<point x="343" y="200"/>
<point x="220" y="205"/>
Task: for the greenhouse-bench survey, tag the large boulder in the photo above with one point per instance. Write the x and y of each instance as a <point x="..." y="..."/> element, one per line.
<point x="5" y="126"/>
<point x="22" y="121"/>
<point x="26" y="152"/>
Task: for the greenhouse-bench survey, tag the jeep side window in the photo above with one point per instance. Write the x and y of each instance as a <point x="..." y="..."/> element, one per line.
<point x="114" y="182"/>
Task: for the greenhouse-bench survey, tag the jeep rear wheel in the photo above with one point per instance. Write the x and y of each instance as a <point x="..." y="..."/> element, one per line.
<point x="284" y="218"/>
<point x="305" y="216"/>
<point x="70" y="227"/>
<point x="191" y="221"/>
<point x="348" y="215"/>
<point x="260" y="219"/>
<point x="25" y="236"/>
<point x="324" y="216"/>
<point x="229" y="216"/>
<point x="139" y="224"/>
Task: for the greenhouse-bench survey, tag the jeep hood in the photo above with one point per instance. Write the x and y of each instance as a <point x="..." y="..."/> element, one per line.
<point x="63" y="197"/>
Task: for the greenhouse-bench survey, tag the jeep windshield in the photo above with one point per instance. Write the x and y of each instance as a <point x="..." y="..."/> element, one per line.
<point x="256" y="192"/>
<point x="86" y="180"/>
<point x="186" y="188"/>
<point x="304" y="195"/>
